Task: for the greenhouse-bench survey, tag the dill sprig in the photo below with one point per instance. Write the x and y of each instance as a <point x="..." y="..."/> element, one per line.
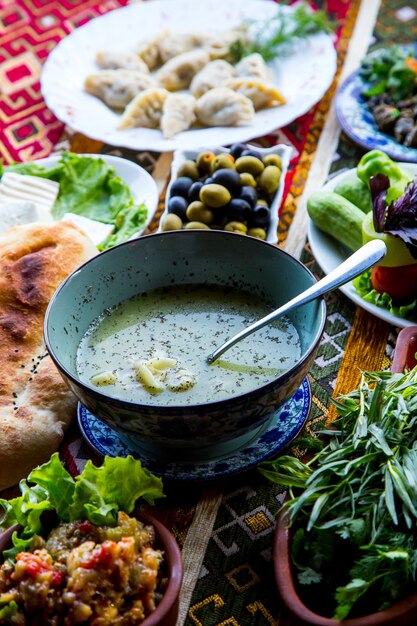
<point x="276" y="35"/>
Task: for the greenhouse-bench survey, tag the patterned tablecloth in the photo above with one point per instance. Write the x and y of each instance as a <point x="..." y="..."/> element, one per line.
<point x="226" y="531"/>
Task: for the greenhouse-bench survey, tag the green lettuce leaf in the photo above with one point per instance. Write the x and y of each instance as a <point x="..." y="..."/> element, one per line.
<point x="97" y="495"/>
<point x="128" y="222"/>
<point x="364" y="288"/>
<point x="57" y="483"/>
<point x="90" y="187"/>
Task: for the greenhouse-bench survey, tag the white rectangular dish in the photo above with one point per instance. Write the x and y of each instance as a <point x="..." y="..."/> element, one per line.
<point x="282" y="150"/>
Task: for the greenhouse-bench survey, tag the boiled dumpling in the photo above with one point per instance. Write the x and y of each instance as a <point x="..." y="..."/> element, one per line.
<point x="222" y="106"/>
<point x="214" y="74"/>
<point x="218" y="44"/>
<point x="178" y="72"/>
<point x="111" y="60"/>
<point x="176" y="43"/>
<point x="253" y="65"/>
<point x="148" y="50"/>
<point x="260" y="92"/>
<point x="117" y="87"/>
<point x="145" y="110"/>
<point x="177" y="114"/>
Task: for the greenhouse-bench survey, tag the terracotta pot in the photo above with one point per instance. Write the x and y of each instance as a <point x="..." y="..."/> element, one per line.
<point x="403" y="613"/>
<point x="166" y="612"/>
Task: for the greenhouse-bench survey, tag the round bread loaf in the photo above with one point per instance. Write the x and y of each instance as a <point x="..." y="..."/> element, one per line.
<point x="36" y="406"/>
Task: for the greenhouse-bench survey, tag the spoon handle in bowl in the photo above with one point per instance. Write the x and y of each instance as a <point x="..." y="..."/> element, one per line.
<point x="358" y="262"/>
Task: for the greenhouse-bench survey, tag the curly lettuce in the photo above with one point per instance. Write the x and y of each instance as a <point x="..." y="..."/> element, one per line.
<point x="363" y="286"/>
<point x="95" y="495"/>
<point x="90" y="187"/>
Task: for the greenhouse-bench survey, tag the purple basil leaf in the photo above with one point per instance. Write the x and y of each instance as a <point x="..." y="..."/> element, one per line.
<point x="401" y="218"/>
<point x="379" y="186"/>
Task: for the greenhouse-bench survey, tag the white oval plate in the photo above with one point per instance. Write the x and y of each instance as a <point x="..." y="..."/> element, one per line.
<point x="141" y="184"/>
<point x="303" y="76"/>
<point x="329" y="253"/>
<point x="282" y="150"/>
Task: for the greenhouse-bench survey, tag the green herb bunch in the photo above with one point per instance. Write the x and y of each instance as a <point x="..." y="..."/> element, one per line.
<point x="390" y="71"/>
<point x="354" y="520"/>
<point x="275" y="36"/>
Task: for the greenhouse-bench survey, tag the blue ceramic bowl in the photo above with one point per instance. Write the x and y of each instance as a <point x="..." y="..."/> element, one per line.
<point x="188" y="256"/>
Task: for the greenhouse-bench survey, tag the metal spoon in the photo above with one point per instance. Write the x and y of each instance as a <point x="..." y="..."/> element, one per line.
<point x="358" y="262"/>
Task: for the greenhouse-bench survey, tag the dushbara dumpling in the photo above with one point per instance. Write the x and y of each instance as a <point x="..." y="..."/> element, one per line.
<point x="261" y="93"/>
<point x="222" y="106"/>
<point x="177" y="114"/>
<point x="218" y="44"/>
<point x="148" y="50"/>
<point x="145" y="110"/>
<point x="214" y="74"/>
<point x="117" y="87"/>
<point x="178" y="72"/>
<point x="174" y="44"/>
<point x="112" y="60"/>
<point x="253" y="65"/>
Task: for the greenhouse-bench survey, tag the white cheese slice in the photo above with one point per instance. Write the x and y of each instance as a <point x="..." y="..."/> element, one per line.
<point x="15" y="213"/>
<point x="41" y="191"/>
<point x="97" y="231"/>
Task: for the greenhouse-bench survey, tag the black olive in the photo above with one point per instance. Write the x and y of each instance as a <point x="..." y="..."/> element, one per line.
<point x="180" y="186"/>
<point x="253" y="153"/>
<point x="236" y="149"/>
<point x="208" y="180"/>
<point x="249" y="194"/>
<point x="194" y="191"/>
<point x="229" y="179"/>
<point x="237" y="210"/>
<point x="178" y="205"/>
<point x="260" y="216"/>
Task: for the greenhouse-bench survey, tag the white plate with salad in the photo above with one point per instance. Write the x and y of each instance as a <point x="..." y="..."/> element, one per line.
<point x="329" y="253"/>
<point x="111" y="198"/>
<point x="303" y="75"/>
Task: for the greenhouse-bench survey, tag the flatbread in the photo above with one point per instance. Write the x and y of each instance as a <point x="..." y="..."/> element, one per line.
<point x="36" y="405"/>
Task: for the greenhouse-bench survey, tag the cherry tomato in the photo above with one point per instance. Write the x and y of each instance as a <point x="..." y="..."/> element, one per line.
<point x="399" y="282"/>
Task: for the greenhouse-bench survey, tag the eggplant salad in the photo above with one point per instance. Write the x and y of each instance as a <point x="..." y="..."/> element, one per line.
<point x="97" y="563"/>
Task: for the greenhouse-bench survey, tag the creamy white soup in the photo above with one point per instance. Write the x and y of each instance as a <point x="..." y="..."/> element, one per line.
<point x="152" y="348"/>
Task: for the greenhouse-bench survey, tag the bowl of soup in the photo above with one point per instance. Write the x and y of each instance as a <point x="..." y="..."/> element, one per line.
<point x="130" y="332"/>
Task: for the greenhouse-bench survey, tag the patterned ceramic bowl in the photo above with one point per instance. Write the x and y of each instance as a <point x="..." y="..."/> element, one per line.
<point x="176" y="258"/>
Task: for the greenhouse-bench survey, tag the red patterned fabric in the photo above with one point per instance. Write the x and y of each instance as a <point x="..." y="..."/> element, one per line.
<point x="29" y="30"/>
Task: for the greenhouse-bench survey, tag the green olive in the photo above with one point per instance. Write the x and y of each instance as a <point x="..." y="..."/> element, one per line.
<point x="263" y="202"/>
<point x="198" y="212"/>
<point x="247" y="179"/>
<point x="272" y="159"/>
<point x="259" y="233"/>
<point x="236" y="227"/>
<point x="222" y="161"/>
<point x="170" y="221"/>
<point x="268" y="181"/>
<point x="250" y="164"/>
<point x="188" y="168"/>
<point x="198" y="225"/>
<point x="204" y="160"/>
<point x="214" y="195"/>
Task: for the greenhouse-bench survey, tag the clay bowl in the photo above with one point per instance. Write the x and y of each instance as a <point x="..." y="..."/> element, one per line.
<point x="402" y="613"/>
<point x="166" y="612"/>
